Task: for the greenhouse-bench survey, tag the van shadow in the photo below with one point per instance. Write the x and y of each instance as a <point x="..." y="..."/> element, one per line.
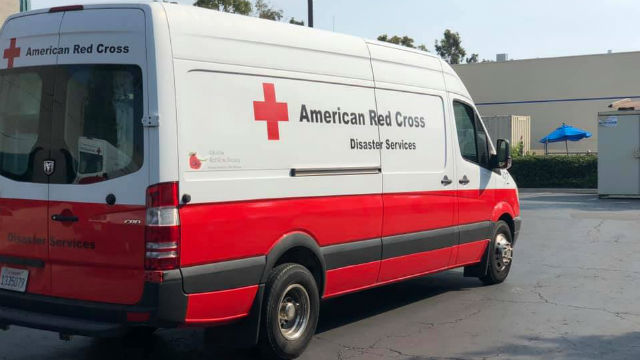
<point x="192" y="343"/>
<point x="352" y="308"/>
<point x="622" y="346"/>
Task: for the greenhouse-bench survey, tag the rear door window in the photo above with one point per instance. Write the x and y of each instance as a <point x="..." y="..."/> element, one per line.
<point x="101" y="130"/>
<point x="21" y="118"/>
<point x="84" y="118"/>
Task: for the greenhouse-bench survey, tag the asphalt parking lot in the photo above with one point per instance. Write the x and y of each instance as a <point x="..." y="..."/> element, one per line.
<point x="572" y="294"/>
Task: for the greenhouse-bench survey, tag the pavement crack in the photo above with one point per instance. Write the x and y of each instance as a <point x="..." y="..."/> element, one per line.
<point x="450" y="322"/>
<point x="590" y="268"/>
<point x="544" y="300"/>
<point x="594" y="233"/>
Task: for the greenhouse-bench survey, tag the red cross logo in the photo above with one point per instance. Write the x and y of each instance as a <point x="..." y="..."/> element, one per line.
<point x="270" y="111"/>
<point x="11" y="53"/>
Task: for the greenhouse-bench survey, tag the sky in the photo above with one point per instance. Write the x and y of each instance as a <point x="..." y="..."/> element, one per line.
<point x="521" y="28"/>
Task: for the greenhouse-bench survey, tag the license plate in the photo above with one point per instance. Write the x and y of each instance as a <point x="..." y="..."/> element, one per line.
<point x="14" y="279"/>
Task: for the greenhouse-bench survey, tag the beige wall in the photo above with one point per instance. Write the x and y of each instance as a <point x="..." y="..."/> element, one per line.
<point x="8" y="7"/>
<point x="579" y="77"/>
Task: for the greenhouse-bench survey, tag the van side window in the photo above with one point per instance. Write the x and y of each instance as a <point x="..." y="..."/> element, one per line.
<point x="483" y="144"/>
<point x="465" y="125"/>
<point x="473" y="141"/>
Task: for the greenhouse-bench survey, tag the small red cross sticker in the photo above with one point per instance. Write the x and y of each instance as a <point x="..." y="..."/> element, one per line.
<point x="11" y="53"/>
<point x="270" y="111"/>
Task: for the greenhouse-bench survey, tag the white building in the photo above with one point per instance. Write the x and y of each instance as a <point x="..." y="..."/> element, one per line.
<point x="8" y="7"/>
<point x="554" y="90"/>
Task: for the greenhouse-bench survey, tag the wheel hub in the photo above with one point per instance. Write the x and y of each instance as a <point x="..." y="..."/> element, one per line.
<point x="289" y="311"/>
<point x="503" y="252"/>
<point x="294" y="312"/>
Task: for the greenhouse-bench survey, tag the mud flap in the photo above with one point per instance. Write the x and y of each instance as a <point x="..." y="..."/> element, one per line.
<point x="480" y="269"/>
<point x="243" y="334"/>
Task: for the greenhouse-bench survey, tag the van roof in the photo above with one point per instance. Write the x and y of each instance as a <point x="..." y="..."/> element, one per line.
<point x="195" y="23"/>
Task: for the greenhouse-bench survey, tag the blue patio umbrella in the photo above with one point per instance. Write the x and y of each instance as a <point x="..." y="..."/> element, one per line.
<point x="565" y="133"/>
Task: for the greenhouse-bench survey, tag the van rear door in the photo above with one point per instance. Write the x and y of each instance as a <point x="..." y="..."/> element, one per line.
<point x="97" y="192"/>
<point x="26" y="100"/>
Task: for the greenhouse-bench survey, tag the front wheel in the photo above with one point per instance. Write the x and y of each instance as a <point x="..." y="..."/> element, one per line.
<point x="292" y="307"/>
<point x="500" y="255"/>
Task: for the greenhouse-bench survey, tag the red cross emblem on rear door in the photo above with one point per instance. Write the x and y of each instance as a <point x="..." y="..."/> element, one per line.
<point x="270" y="111"/>
<point x="11" y="53"/>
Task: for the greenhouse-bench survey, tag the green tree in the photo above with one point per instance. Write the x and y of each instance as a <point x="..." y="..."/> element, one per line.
<point x="450" y="47"/>
<point x="472" y="59"/>
<point x="296" y="22"/>
<point x="265" y="11"/>
<point x="404" y="41"/>
<point x="395" y="39"/>
<point x="232" y="6"/>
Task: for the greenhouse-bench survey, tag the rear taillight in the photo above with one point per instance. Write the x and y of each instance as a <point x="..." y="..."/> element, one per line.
<point x="162" y="231"/>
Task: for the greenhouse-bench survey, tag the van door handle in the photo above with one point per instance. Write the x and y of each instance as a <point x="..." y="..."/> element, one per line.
<point x="446" y="181"/>
<point x="464" y="181"/>
<point x="63" y="218"/>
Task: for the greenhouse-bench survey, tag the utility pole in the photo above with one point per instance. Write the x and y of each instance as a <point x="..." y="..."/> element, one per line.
<point x="25" y="5"/>
<point x="310" y="6"/>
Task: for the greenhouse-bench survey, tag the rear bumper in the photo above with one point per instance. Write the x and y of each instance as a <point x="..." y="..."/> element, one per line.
<point x="165" y="304"/>
<point x="61" y="324"/>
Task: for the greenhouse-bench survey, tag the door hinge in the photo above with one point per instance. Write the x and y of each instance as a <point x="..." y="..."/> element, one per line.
<point x="151" y="121"/>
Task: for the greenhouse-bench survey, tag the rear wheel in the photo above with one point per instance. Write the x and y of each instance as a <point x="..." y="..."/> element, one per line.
<point x="500" y="255"/>
<point x="292" y="306"/>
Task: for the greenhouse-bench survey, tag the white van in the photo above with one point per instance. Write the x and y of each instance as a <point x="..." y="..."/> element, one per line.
<point x="166" y="165"/>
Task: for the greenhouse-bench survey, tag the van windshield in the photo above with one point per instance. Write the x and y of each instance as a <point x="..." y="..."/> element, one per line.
<point x="84" y="120"/>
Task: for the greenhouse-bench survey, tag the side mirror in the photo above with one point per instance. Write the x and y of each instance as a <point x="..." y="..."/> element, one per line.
<point x="503" y="157"/>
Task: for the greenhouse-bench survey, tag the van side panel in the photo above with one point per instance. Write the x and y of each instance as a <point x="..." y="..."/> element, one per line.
<point x="278" y="136"/>
<point x="270" y="145"/>
<point x="218" y="37"/>
<point x="419" y="232"/>
<point x="237" y="230"/>
<point x="351" y="278"/>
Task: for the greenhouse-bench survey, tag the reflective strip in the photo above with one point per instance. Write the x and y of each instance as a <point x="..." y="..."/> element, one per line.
<point x="161" y="255"/>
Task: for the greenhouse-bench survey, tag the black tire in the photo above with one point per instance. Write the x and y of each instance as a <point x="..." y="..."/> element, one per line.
<point x="497" y="269"/>
<point x="292" y="279"/>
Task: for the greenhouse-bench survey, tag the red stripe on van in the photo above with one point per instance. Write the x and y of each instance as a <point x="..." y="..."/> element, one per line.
<point x="409" y="265"/>
<point x="351" y="278"/>
<point x="403" y="267"/>
<point x="225" y="231"/>
<point x="418" y="211"/>
<point x="471" y="252"/>
<point x="220" y="232"/>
